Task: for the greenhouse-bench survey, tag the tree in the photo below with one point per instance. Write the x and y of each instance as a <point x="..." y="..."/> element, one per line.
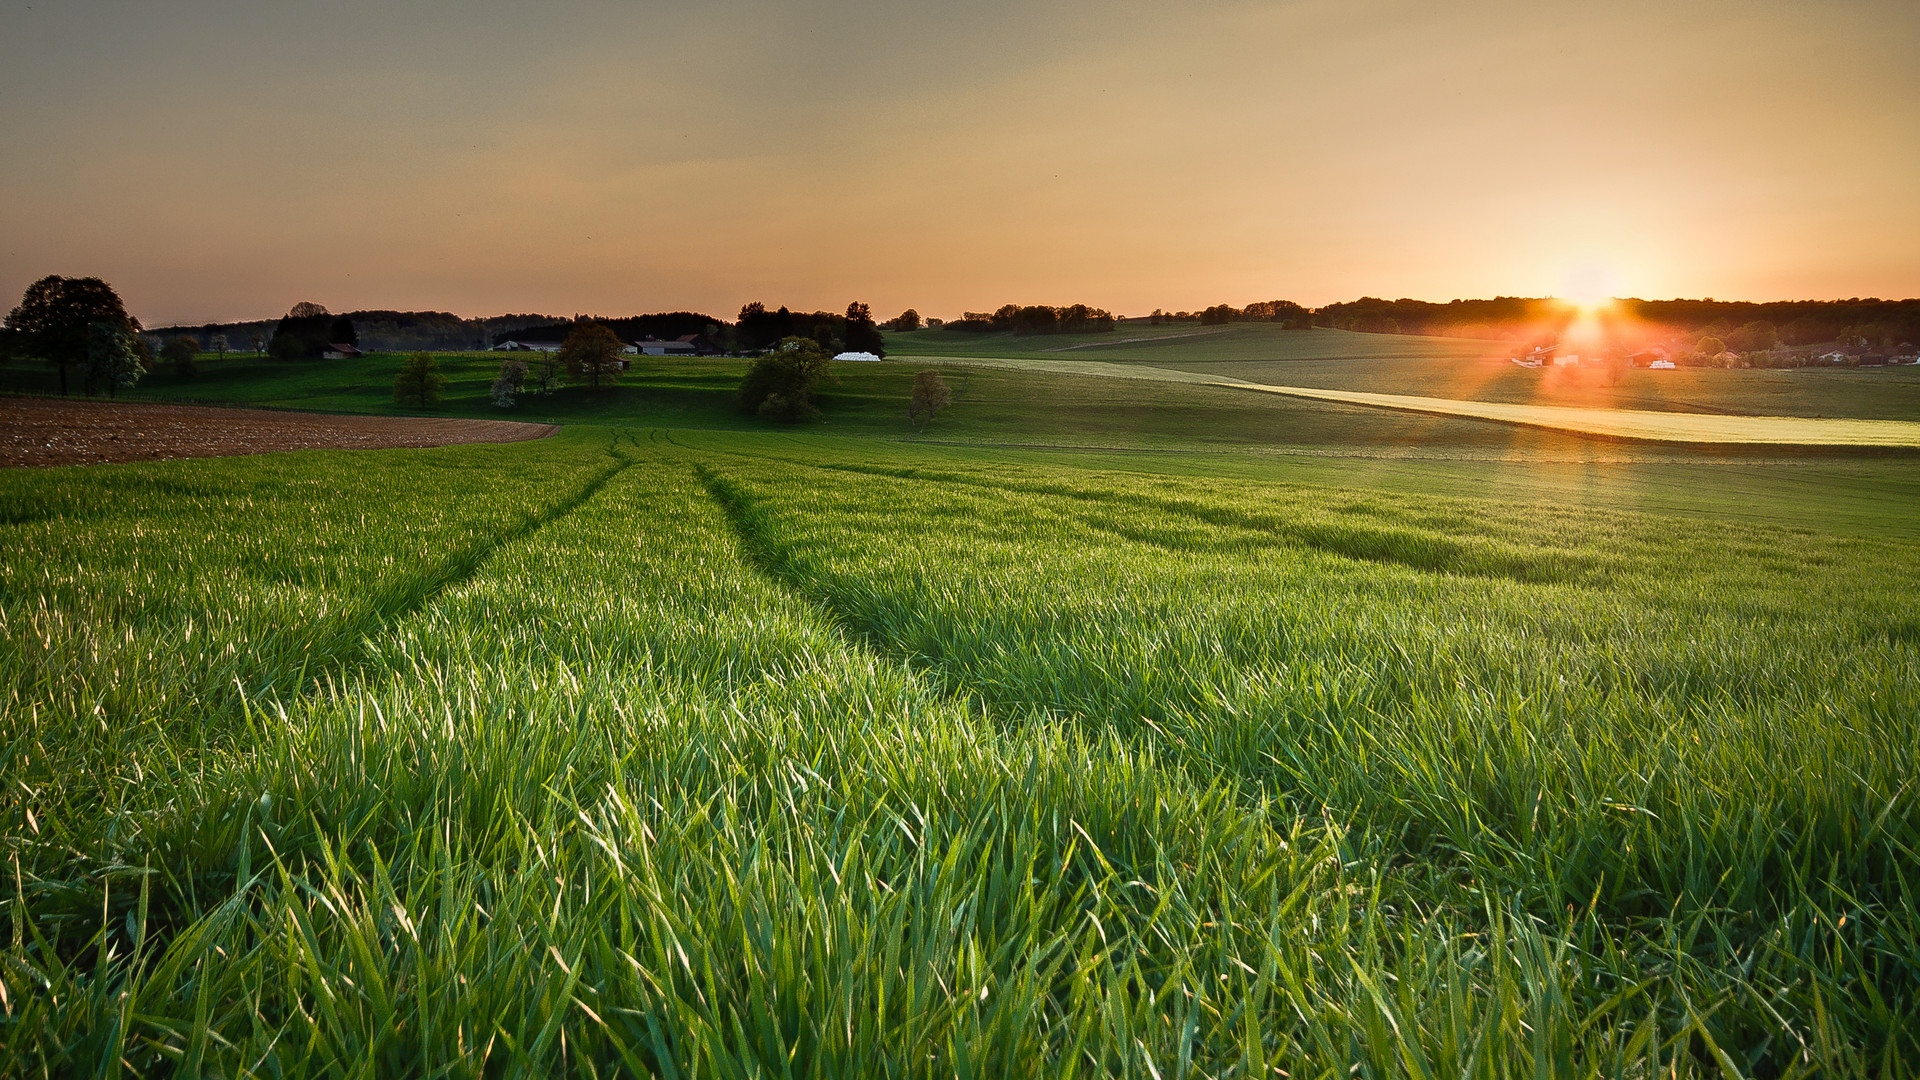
<point x="1710" y="346"/>
<point x="303" y="333"/>
<point x="1617" y="363"/>
<point x="592" y="354"/>
<point x="111" y="361"/>
<point x="343" y="333"/>
<point x="54" y="321"/>
<point x="862" y="334"/>
<point x="905" y="322"/>
<point x="419" y="383"/>
<point x="1756" y="336"/>
<point x="218" y="344"/>
<point x="258" y="341"/>
<point x="930" y="395"/>
<point x="508" y="384"/>
<point x="781" y="385"/>
<point x="544" y="373"/>
<point x="179" y="352"/>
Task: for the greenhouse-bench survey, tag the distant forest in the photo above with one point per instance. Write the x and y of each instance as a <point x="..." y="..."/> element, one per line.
<point x="1036" y="319"/>
<point x="664" y="326"/>
<point x="377" y="331"/>
<point x="1796" y="322"/>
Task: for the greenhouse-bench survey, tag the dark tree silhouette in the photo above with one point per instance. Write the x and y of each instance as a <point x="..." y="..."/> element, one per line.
<point x="55" y="318"/>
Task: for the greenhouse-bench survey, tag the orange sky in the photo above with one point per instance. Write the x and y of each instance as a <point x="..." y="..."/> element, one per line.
<point x="222" y="159"/>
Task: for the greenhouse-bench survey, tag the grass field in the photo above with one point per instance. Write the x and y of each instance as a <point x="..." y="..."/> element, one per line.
<point x="1456" y="368"/>
<point x="699" y="752"/>
<point x="1114" y="726"/>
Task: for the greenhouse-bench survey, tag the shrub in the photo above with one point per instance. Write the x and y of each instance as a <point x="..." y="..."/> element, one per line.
<point x="509" y="383"/>
<point x="419" y="383"/>
<point x="179" y="352"/>
<point x="781" y="384"/>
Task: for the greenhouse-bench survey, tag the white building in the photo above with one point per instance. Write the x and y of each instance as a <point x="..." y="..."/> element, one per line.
<point x="857" y="357"/>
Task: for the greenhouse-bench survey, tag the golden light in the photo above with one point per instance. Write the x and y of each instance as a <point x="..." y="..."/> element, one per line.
<point x="1589" y="289"/>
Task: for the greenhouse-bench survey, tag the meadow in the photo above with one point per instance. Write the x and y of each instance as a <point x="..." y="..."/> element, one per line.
<point x="684" y="752"/>
<point x="1107" y="727"/>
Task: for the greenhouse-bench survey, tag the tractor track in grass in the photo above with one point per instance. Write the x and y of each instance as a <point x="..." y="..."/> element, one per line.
<point x="767" y="557"/>
<point x="342" y="649"/>
<point x="1431" y="553"/>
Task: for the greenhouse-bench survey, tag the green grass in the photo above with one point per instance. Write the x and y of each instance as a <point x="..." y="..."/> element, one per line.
<point x="700" y="752"/>
<point x="1457" y="368"/>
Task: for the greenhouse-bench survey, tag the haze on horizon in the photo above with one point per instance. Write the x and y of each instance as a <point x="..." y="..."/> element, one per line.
<point x="216" y="159"/>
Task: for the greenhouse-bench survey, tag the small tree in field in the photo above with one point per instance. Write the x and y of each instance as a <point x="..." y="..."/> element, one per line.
<point x="543" y="373"/>
<point x="419" y="383"/>
<point x="592" y="355"/>
<point x="781" y="385"/>
<point x="259" y="343"/>
<point x="179" y="352"/>
<point x="111" y="360"/>
<point x="218" y="344"/>
<point x="508" y="384"/>
<point x="930" y="395"/>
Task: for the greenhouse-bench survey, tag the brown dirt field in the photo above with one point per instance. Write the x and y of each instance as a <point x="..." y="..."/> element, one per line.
<point x="48" y="431"/>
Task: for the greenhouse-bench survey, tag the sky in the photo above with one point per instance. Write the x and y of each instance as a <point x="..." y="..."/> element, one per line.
<point x="223" y="160"/>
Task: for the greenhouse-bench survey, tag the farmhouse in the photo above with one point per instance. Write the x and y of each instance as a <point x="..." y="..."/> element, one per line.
<point x="1536" y="357"/>
<point x="340" y="352"/>
<point x="680" y="346"/>
<point x="1660" y="365"/>
<point x="684" y="345"/>
<point x="526" y="346"/>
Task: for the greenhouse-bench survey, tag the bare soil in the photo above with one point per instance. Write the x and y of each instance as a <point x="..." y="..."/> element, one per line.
<point x="62" y="431"/>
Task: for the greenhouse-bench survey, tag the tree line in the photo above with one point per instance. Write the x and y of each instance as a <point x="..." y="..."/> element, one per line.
<point x="1036" y="319"/>
<point x="850" y="331"/>
<point x="1793" y="322"/>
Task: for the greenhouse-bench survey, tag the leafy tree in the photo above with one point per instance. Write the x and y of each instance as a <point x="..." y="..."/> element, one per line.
<point x="905" y="322"/>
<point x="258" y="341"/>
<point x="342" y="333"/>
<point x="509" y="383"/>
<point x="111" y="360"/>
<point x="54" y="321"/>
<point x="930" y="395"/>
<point x="591" y="354"/>
<point x="218" y="344"/>
<point x="179" y="352"/>
<point x="1710" y="346"/>
<point x="419" y="383"/>
<point x="781" y="385"/>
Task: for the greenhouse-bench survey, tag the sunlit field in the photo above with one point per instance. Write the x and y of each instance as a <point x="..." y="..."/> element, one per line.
<point x="707" y="753"/>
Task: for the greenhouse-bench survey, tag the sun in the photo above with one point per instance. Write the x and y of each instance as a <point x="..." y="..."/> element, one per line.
<point x="1589" y="288"/>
